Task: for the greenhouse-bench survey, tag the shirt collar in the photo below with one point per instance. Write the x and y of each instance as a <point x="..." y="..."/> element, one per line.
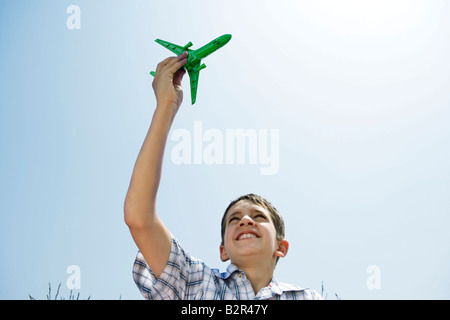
<point x="225" y="275"/>
<point x="274" y="285"/>
<point x="279" y="287"/>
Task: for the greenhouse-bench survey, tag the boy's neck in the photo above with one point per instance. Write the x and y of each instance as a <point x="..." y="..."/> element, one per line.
<point x="259" y="275"/>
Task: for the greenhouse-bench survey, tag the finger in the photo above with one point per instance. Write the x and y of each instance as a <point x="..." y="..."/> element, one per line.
<point x="163" y="63"/>
<point x="183" y="55"/>
<point x="178" y="76"/>
<point x="172" y="64"/>
<point x="174" y="60"/>
<point x="177" y="66"/>
<point x="177" y="63"/>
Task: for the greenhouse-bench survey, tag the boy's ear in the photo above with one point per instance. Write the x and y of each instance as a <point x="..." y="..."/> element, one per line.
<point x="223" y="253"/>
<point x="282" y="249"/>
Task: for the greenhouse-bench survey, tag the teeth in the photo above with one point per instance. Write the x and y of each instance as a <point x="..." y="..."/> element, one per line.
<point x="247" y="235"/>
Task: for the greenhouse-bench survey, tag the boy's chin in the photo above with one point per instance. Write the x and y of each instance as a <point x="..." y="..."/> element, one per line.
<point x="249" y="257"/>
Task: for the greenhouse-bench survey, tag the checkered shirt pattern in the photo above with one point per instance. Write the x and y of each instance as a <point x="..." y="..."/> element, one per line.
<point x="188" y="278"/>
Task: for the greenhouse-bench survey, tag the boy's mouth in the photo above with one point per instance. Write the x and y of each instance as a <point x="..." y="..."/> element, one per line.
<point x="246" y="235"/>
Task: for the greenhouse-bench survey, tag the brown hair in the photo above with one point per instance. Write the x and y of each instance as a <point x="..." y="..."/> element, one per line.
<point x="260" y="201"/>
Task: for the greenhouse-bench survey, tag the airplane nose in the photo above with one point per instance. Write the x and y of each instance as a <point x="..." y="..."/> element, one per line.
<point x="226" y="37"/>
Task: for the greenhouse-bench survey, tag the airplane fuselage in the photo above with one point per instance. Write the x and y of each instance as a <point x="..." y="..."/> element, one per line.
<point x="195" y="56"/>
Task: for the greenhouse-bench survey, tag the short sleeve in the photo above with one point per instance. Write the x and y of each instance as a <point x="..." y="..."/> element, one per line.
<point x="180" y="279"/>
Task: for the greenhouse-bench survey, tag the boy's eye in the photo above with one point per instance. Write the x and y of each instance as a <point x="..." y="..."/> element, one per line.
<point x="260" y="216"/>
<point x="231" y="220"/>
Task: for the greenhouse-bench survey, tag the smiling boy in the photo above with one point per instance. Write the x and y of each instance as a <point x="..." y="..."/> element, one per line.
<point x="252" y="229"/>
<point x="253" y="238"/>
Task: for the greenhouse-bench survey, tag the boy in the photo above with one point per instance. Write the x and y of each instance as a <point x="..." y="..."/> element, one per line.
<point x="252" y="230"/>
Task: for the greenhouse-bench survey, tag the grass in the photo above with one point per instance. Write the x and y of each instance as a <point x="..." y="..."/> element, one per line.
<point x="58" y="296"/>
<point x="77" y="297"/>
<point x="325" y="295"/>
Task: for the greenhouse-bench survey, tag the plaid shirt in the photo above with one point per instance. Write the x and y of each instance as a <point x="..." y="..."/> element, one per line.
<point x="187" y="278"/>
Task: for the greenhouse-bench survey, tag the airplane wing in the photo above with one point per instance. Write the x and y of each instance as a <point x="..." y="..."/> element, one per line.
<point x="193" y="76"/>
<point x="172" y="47"/>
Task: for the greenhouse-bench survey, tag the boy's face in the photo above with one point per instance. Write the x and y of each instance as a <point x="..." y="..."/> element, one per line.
<point x="250" y="234"/>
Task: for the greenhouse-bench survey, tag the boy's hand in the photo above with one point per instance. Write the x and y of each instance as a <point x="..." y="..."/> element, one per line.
<point x="167" y="82"/>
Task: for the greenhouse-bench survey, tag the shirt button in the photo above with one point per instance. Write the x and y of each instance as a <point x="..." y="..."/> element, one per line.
<point x="240" y="275"/>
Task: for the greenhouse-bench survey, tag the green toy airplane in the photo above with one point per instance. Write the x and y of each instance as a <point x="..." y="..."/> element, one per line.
<point x="193" y="66"/>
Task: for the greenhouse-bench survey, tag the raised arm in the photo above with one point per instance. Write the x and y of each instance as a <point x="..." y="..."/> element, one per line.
<point x="147" y="230"/>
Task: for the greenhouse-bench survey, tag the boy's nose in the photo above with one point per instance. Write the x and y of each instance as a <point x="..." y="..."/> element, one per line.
<point x="246" y="220"/>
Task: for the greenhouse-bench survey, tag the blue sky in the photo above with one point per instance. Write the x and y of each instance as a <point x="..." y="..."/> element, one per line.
<point x="358" y="91"/>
